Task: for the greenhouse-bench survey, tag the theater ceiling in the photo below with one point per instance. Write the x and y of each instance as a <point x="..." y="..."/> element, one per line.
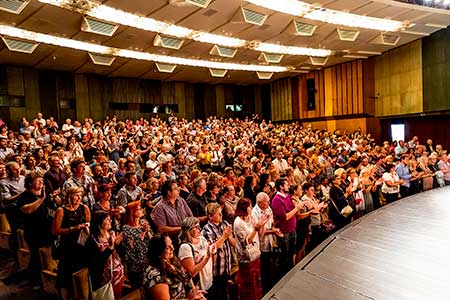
<point x="213" y="41"/>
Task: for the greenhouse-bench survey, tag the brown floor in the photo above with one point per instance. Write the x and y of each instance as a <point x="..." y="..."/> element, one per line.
<point x="14" y="284"/>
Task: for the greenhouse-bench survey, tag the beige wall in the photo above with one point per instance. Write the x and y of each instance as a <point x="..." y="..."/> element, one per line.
<point x="398" y="81"/>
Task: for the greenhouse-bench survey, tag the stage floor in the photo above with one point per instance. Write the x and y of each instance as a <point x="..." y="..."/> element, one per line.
<point x="401" y="251"/>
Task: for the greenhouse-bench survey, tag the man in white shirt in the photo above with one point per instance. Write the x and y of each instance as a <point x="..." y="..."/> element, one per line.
<point x="280" y="163"/>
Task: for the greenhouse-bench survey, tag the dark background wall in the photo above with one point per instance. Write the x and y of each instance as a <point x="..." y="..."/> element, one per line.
<point x="26" y="91"/>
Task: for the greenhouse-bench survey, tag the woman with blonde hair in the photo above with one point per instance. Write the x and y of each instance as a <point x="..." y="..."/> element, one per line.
<point x="195" y="254"/>
<point x="70" y="221"/>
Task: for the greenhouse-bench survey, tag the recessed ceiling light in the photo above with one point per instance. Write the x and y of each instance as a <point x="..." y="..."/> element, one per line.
<point x="116" y="16"/>
<point x="36" y="37"/>
<point x="314" y="12"/>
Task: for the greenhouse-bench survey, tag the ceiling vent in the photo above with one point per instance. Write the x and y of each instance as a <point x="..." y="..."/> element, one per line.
<point x="270" y="57"/>
<point x="223" y="51"/>
<point x="304" y="29"/>
<point x="218" y="73"/>
<point x="318" y="61"/>
<point x="100" y="27"/>
<point x="389" y="39"/>
<point x="347" y="35"/>
<point x="19" y="45"/>
<point x="253" y="17"/>
<point x="13" y="6"/>
<point x="264" y="75"/>
<point x="103" y="60"/>
<point x="201" y="3"/>
<point x="165" y="68"/>
<point x="167" y="42"/>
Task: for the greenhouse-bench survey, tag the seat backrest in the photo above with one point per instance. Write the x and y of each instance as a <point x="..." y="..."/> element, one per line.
<point x="21" y="239"/>
<point x="47" y="261"/>
<point x="80" y="281"/>
<point x="4" y="224"/>
<point x="133" y="295"/>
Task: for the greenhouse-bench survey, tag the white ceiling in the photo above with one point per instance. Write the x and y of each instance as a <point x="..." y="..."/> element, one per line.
<point x="220" y="17"/>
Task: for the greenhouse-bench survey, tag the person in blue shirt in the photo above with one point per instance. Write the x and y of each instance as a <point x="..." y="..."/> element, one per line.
<point x="404" y="173"/>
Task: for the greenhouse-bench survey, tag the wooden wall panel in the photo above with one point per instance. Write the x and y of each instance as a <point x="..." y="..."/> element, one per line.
<point x="436" y="71"/>
<point x="32" y="102"/>
<point x="281" y="99"/>
<point x="15" y="81"/>
<point x="339" y="91"/>
<point x="82" y="96"/>
<point x="398" y="81"/>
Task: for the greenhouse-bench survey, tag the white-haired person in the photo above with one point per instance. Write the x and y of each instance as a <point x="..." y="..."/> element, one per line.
<point x="267" y="241"/>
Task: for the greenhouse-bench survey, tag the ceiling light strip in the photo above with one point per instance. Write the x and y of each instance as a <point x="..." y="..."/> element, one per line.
<point x="104" y="50"/>
<point x="117" y="16"/>
<point x="308" y="11"/>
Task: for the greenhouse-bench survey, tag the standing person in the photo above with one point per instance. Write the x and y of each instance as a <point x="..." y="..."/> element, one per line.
<point x="196" y="254"/>
<point x="403" y="173"/>
<point x="219" y="231"/>
<point x="316" y="207"/>
<point x="10" y="188"/>
<point x="37" y="223"/>
<point x="338" y="200"/>
<point x="196" y="199"/>
<point x="68" y="222"/>
<point x="247" y="247"/>
<point x="267" y="241"/>
<point x="165" y="278"/>
<point x="80" y="179"/>
<point x="391" y="184"/>
<point x="54" y="179"/>
<point x="136" y="236"/>
<point x="284" y="215"/>
<point x="103" y="261"/>
<point x="170" y="212"/>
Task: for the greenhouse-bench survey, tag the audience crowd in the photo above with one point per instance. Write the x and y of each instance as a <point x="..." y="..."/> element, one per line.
<point x="216" y="209"/>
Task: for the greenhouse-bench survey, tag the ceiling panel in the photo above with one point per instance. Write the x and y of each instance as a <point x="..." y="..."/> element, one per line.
<point x="91" y="68"/>
<point x="221" y="17"/>
<point x="53" y="20"/>
<point x="368" y="8"/>
<point x="273" y="26"/>
<point x="345" y="4"/>
<point x="11" y="57"/>
<point x="388" y="12"/>
<point x="173" y="13"/>
<point x="212" y="17"/>
<point x="9" y="18"/>
<point x="64" y="59"/>
<point x="140" y="7"/>
<point x="132" y="68"/>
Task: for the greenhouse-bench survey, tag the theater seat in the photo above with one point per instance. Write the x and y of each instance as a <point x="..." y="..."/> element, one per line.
<point x="5" y="232"/>
<point x="134" y="295"/>
<point x="48" y="272"/>
<point x="4" y="225"/>
<point x="80" y="281"/>
<point x="23" y="252"/>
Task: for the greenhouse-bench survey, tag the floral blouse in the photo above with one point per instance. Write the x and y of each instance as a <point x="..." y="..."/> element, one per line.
<point x="177" y="282"/>
<point x="136" y="249"/>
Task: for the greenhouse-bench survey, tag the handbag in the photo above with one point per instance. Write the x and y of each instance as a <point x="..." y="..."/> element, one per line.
<point x="83" y="236"/>
<point x="56" y="248"/>
<point x="252" y="251"/>
<point x="427" y="183"/>
<point x="328" y="226"/>
<point x="346" y="211"/>
<point x="106" y="291"/>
